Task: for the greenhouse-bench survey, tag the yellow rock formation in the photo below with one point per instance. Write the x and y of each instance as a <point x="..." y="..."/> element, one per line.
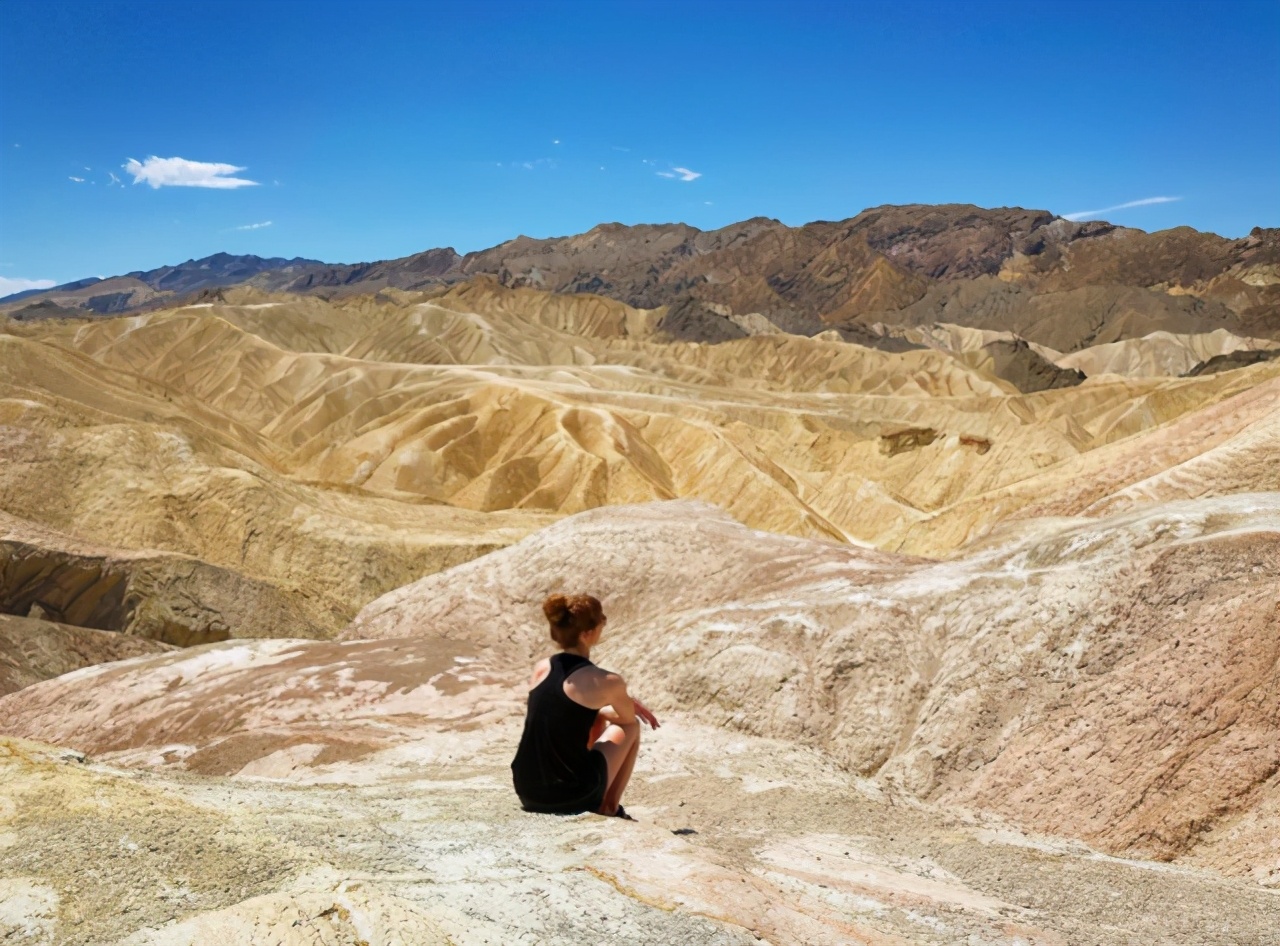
<point x="925" y="644"/>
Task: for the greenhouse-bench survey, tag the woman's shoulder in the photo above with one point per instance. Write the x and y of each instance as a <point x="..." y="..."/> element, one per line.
<point x="596" y="679"/>
<point x="540" y="671"/>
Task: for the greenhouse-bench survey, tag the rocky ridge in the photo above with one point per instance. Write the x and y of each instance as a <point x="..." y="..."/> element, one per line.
<point x="1058" y="283"/>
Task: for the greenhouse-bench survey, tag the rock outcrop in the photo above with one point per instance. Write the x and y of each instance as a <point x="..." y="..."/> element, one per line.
<point x="161" y="596"/>
<point x="32" y="650"/>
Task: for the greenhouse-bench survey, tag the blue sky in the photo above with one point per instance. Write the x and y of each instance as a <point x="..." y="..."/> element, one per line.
<point x="377" y="130"/>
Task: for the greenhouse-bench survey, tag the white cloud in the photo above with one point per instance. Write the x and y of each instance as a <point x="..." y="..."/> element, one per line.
<point x="254" y="226"/>
<point x="9" y="286"/>
<point x="78" y="180"/>
<point x="179" y="172"/>
<point x="114" y="179"/>
<point x="531" y="165"/>
<point x="683" y="174"/>
<point x="556" y="141"/>
<point x="1082" y="214"/>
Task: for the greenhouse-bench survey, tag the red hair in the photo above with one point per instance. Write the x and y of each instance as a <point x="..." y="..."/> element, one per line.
<point x="571" y="616"/>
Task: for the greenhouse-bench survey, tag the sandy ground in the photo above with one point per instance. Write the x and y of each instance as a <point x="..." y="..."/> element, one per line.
<point x="738" y="840"/>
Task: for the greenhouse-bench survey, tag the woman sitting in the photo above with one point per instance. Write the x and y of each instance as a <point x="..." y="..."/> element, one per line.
<point x="582" y="729"/>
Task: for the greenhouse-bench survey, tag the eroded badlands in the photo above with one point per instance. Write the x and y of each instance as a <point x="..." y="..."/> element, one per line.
<point x="950" y="644"/>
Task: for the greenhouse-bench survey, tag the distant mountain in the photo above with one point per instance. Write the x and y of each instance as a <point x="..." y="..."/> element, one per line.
<point x="1058" y="283"/>
<point x="67" y="287"/>
<point x="133" y="290"/>
<point x="221" y="269"/>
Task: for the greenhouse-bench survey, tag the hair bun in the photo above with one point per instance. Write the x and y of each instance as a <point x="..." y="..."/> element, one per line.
<point x="571" y="616"/>
<point x="557" y="609"/>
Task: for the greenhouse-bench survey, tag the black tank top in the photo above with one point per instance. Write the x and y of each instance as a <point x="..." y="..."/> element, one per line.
<point x="553" y="763"/>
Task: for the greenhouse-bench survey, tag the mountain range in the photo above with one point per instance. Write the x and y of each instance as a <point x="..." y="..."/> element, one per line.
<point x="1068" y="285"/>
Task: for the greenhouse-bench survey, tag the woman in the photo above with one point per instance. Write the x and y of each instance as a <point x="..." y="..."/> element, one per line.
<point x="582" y="730"/>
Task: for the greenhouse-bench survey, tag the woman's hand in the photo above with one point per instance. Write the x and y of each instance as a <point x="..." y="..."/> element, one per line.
<point x="644" y="714"/>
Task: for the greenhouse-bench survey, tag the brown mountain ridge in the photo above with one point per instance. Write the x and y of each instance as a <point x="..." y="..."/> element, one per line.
<point x="1064" y="284"/>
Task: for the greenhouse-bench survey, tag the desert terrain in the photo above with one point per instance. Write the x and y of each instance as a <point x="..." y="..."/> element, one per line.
<point x="944" y="541"/>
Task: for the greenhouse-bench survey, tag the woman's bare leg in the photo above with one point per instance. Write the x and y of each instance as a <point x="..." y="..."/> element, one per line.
<point x="619" y="744"/>
<point x="613" y="797"/>
<point x="597" y="730"/>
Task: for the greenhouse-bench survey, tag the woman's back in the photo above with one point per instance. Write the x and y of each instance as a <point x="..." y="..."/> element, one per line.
<point x="554" y="765"/>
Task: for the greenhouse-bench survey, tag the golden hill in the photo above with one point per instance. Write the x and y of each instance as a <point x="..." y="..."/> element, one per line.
<point x="1016" y="621"/>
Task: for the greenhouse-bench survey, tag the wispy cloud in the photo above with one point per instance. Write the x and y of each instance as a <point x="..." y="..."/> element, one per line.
<point x="529" y="165"/>
<point x="78" y="180"/>
<point x="1082" y="214"/>
<point x="114" y="180"/>
<point x="254" y="226"/>
<point x="680" y="174"/>
<point x="9" y="286"/>
<point x="179" y="172"/>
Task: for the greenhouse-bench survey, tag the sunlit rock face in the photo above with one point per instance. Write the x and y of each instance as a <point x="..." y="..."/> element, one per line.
<point x="959" y="631"/>
<point x="990" y="678"/>
<point x="287" y="439"/>
<point x="983" y="679"/>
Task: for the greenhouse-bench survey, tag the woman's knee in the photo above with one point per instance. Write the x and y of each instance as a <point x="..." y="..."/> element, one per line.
<point x="624" y="736"/>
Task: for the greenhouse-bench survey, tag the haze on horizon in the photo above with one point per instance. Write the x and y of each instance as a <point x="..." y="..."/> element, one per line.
<point x="373" y="133"/>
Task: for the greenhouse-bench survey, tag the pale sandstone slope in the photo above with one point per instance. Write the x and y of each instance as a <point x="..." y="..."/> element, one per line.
<point x="929" y="677"/>
<point x="1152" y="630"/>
<point x="1160" y="354"/>
<point x="163" y="596"/>
<point x="1108" y="680"/>
<point x="741" y="841"/>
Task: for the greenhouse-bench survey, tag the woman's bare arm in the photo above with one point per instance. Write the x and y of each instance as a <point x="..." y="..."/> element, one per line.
<point x="645" y="714"/>
<point x="621" y="707"/>
<point x="608" y="693"/>
<point x="642" y="713"/>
